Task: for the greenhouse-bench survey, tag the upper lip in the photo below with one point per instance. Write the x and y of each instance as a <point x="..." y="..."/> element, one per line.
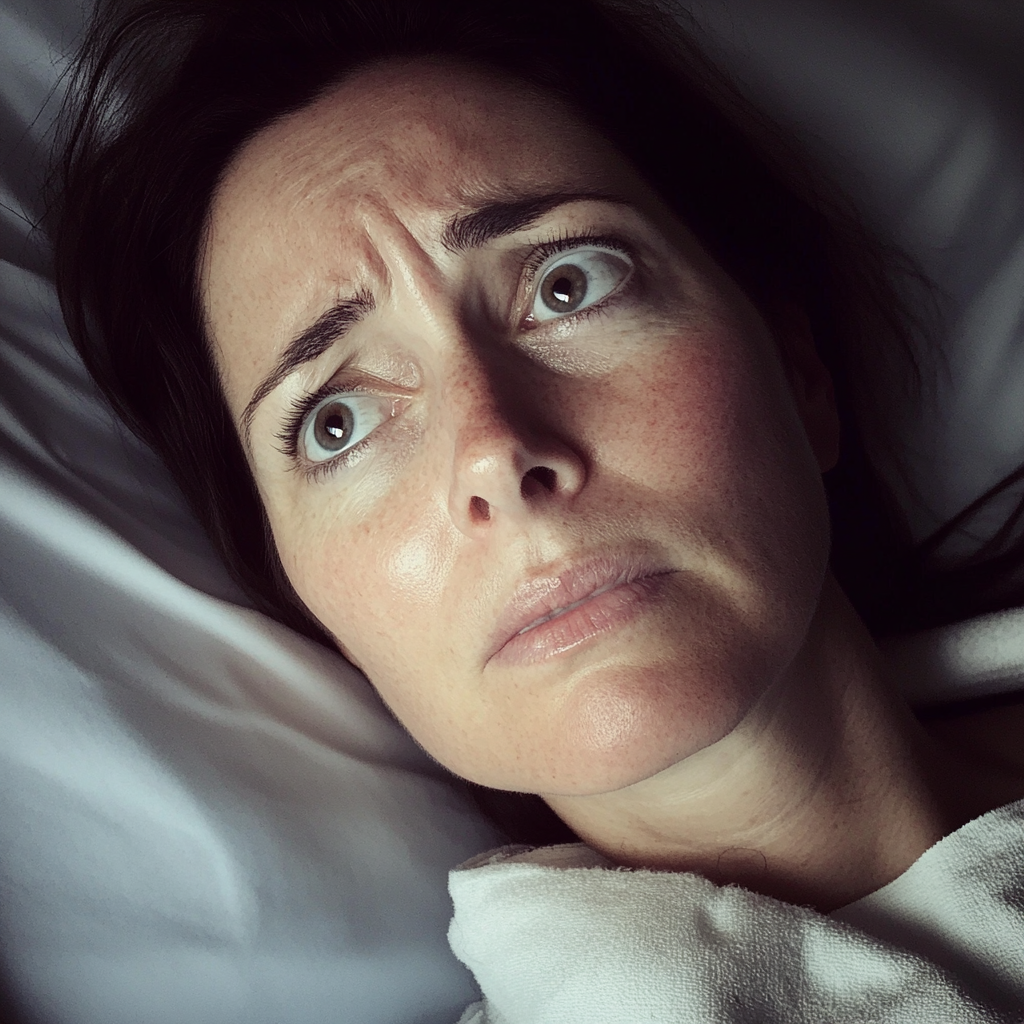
<point x="547" y="592"/>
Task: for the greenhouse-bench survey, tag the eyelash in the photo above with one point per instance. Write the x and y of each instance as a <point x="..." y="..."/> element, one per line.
<point x="566" y="242"/>
<point x="296" y="415"/>
<point x="543" y="251"/>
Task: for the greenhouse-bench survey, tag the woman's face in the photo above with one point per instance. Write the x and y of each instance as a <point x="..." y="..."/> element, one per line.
<point x="526" y="452"/>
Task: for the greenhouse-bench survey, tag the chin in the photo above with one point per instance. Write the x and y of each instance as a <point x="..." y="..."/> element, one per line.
<point x="624" y="726"/>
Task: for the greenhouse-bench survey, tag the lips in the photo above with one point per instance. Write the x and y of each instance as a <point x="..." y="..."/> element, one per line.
<point x="553" y="611"/>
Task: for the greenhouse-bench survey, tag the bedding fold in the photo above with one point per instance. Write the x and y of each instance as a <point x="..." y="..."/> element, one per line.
<point x="559" y="934"/>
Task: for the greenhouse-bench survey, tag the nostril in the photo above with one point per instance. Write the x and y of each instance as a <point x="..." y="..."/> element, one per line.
<point x="540" y="478"/>
<point x="479" y="509"/>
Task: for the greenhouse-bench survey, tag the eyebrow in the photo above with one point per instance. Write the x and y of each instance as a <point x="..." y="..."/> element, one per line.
<point x="312" y="343"/>
<point x="464" y="231"/>
<point x="506" y="216"/>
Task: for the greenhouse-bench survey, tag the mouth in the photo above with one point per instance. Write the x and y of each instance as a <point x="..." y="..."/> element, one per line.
<point x="552" y="612"/>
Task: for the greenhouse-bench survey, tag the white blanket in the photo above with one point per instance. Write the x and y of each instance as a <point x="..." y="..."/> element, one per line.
<point x="558" y="934"/>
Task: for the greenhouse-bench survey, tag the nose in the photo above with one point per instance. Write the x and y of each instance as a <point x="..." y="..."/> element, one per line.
<point x="504" y="467"/>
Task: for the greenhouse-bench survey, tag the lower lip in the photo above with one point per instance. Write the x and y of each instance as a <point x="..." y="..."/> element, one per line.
<point x="599" y="614"/>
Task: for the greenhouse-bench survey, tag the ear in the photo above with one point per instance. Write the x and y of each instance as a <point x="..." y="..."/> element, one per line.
<point x="811" y="385"/>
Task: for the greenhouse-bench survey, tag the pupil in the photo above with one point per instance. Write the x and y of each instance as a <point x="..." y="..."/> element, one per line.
<point x="564" y="289"/>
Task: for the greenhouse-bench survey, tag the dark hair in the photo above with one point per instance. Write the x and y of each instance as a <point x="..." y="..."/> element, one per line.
<point x="165" y="92"/>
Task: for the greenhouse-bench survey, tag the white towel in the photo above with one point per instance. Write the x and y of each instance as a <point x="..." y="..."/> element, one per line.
<point x="559" y="935"/>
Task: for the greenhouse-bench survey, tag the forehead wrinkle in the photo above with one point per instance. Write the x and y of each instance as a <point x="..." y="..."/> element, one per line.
<point x="362" y="154"/>
<point x="365" y="133"/>
<point x="300" y="160"/>
<point x="405" y="256"/>
<point x="362" y="137"/>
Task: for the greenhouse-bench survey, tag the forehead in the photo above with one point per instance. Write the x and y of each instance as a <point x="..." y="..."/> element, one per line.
<point x="410" y="134"/>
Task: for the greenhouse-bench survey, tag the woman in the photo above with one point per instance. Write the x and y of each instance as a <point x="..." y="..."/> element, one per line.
<point x="505" y="350"/>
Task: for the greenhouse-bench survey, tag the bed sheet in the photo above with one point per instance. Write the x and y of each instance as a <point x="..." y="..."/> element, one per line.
<point x="207" y="818"/>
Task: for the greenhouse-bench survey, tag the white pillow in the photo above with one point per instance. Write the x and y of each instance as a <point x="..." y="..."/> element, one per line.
<point x="206" y="818"/>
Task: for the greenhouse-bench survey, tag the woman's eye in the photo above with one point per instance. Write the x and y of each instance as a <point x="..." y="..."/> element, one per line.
<point x="574" y="280"/>
<point x="340" y="422"/>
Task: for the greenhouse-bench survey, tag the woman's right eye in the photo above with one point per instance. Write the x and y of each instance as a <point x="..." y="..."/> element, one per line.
<point x="340" y="422"/>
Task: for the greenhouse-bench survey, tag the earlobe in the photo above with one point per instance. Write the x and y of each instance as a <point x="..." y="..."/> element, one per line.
<point x="811" y="385"/>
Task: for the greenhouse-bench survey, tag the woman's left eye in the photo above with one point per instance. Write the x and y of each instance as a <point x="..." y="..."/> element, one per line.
<point x="571" y="281"/>
<point x="340" y="422"/>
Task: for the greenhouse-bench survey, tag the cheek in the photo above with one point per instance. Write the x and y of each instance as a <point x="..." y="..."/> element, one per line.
<point x="743" y="470"/>
<point x="703" y="425"/>
<point x="376" y="585"/>
<point x="416" y="559"/>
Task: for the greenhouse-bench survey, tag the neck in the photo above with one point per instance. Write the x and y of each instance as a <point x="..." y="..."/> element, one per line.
<point x="826" y="791"/>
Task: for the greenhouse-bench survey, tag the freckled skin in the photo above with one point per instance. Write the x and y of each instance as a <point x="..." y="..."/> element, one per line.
<point x="667" y="423"/>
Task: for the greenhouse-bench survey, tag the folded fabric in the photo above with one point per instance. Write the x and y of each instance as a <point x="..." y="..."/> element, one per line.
<point x="558" y="934"/>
